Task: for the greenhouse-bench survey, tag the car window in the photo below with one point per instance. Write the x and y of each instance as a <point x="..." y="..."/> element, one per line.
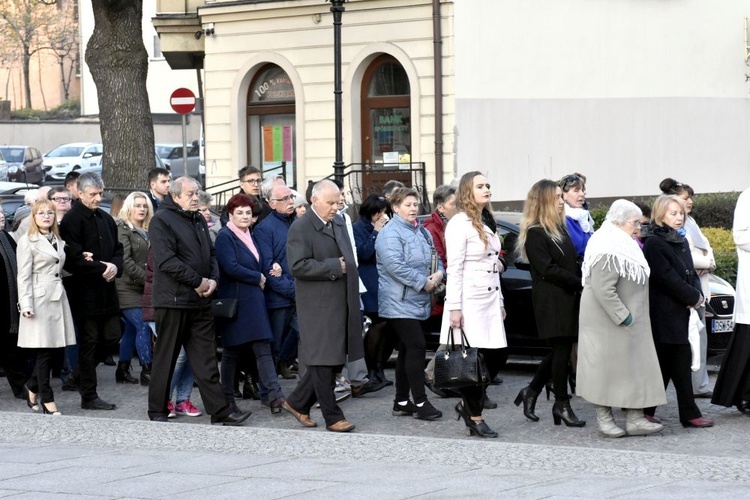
<point x="34" y="152"/>
<point x="13" y="155"/>
<point x="65" y="151"/>
<point x="175" y="153"/>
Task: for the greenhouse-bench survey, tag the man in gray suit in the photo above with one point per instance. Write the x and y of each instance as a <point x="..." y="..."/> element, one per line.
<point x="321" y="260"/>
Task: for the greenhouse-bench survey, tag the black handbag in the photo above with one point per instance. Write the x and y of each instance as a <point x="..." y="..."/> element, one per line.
<point x="226" y="308"/>
<point x="459" y="365"/>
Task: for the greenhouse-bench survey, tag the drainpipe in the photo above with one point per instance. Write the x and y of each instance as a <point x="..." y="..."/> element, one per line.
<point x="437" y="40"/>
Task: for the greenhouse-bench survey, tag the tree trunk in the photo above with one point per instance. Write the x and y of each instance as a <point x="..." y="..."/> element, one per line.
<point x="119" y="65"/>
<point x="25" y="65"/>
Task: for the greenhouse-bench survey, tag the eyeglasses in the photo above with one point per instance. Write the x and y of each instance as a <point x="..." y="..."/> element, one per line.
<point x="285" y="198"/>
<point x="251" y="181"/>
<point x="49" y="213"/>
<point x="635" y="223"/>
<point x="61" y="199"/>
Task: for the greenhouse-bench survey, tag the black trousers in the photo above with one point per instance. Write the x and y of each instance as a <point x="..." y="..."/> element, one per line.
<point x="39" y="380"/>
<point x="411" y="359"/>
<point x="193" y="329"/>
<point x="474" y="396"/>
<point x="675" y="361"/>
<point x="317" y="385"/>
<point x="15" y="361"/>
<point x="555" y="366"/>
<point x="98" y="336"/>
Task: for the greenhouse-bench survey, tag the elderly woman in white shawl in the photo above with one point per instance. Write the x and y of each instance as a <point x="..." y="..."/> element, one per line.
<point x="617" y="363"/>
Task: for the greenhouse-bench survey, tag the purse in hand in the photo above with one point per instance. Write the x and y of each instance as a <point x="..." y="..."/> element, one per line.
<point x="459" y="365"/>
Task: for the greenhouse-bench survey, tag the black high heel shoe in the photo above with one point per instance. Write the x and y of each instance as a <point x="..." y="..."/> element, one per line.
<point x="31" y="404"/>
<point x="473" y="427"/>
<point x="561" y="410"/>
<point x="46" y="411"/>
<point x="528" y="396"/>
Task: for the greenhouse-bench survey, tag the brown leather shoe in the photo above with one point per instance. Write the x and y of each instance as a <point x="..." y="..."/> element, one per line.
<point x="699" y="422"/>
<point x="341" y="426"/>
<point x="301" y="417"/>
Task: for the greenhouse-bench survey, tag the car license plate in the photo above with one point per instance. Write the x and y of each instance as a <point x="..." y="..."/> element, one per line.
<point x="723" y="325"/>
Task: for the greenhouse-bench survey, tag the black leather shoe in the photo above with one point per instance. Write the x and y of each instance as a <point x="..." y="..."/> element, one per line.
<point x="160" y="418"/>
<point x="360" y="391"/>
<point x="479" y="428"/>
<point x="528" y="396"/>
<point x="110" y="361"/>
<point x="97" y="404"/>
<point x="561" y="411"/>
<point x="488" y="404"/>
<point x="235" y="418"/>
<point x="744" y="407"/>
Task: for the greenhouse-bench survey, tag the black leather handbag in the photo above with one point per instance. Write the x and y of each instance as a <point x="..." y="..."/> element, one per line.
<point x="225" y="309"/>
<point x="459" y="365"/>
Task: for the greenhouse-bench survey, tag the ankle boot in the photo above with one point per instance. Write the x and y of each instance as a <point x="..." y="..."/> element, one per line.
<point x="607" y="425"/>
<point x="561" y="410"/>
<point x="528" y="397"/>
<point x="146" y="375"/>
<point x="637" y="425"/>
<point x="122" y="374"/>
<point x="250" y="389"/>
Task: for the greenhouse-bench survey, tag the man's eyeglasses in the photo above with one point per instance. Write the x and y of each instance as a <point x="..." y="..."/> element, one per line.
<point x="285" y="198"/>
<point x="61" y="199"/>
<point x="251" y="181"/>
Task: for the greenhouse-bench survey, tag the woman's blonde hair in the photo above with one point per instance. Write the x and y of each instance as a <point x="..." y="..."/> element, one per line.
<point x="661" y="205"/>
<point x="128" y="207"/>
<point x="465" y="203"/>
<point x="540" y="210"/>
<point x="35" y="209"/>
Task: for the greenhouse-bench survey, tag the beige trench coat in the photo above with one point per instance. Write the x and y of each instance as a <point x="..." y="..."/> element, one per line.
<point x="617" y="364"/>
<point x="41" y="291"/>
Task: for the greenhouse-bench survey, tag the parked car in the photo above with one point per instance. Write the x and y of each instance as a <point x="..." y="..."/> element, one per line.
<point x="16" y="187"/>
<point x="3" y="169"/>
<point x="69" y="157"/>
<point x="171" y="155"/>
<point x="98" y="167"/>
<point x="520" y="325"/>
<point x="24" y="164"/>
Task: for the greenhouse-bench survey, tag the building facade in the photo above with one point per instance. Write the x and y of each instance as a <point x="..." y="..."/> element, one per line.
<point x="625" y="92"/>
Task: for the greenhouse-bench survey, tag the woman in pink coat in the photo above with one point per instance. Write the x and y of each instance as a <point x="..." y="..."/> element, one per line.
<point x="473" y="298"/>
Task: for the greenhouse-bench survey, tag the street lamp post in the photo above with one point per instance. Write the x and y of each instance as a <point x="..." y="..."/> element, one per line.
<point x="337" y="9"/>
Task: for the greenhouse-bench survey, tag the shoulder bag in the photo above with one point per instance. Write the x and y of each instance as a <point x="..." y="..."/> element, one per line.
<point x="459" y="365"/>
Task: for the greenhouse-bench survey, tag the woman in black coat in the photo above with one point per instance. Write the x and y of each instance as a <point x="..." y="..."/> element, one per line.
<point x="674" y="289"/>
<point x="556" y="294"/>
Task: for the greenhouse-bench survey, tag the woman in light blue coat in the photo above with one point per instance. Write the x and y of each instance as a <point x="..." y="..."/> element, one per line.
<point x="404" y="257"/>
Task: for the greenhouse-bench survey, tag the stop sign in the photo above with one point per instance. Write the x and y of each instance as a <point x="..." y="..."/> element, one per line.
<point x="182" y="101"/>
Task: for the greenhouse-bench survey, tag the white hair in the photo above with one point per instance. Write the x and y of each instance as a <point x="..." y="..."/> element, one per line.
<point x="30" y="197"/>
<point x="321" y="186"/>
<point x="622" y="210"/>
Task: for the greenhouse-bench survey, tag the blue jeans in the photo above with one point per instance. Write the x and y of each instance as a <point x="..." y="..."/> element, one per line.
<point x="182" y="379"/>
<point x="283" y="320"/>
<point x="266" y="369"/>
<point x="137" y="336"/>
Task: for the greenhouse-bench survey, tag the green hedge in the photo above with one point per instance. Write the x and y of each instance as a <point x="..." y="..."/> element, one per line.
<point x="66" y="111"/>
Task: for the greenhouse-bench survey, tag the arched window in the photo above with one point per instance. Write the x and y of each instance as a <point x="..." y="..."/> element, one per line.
<point x="270" y="123"/>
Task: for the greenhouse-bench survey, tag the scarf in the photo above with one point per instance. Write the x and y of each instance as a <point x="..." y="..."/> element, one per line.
<point x="489" y="220"/>
<point x="11" y="271"/>
<point x="582" y="216"/>
<point x="620" y="251"/>
<point x="245" y="238"/>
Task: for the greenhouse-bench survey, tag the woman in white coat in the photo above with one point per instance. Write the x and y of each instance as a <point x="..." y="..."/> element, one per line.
<point x="733" y="383"/>
<point x="46" y="324"/>
<point x="473" y="299"/>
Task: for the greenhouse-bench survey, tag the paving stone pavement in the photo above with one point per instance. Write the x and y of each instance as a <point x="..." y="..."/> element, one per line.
<point x="120" y="454"/>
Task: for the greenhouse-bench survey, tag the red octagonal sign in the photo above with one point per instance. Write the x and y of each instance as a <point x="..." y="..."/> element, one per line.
<point x="182" y="101"/>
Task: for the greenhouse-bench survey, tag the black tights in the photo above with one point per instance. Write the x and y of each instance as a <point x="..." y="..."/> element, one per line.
<point x="473" y="396"/>
<point x="555" y="366"/>
<point x="411" y="359"/>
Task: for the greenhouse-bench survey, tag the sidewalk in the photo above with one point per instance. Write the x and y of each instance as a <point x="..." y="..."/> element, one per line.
<point x="84" y="457"/>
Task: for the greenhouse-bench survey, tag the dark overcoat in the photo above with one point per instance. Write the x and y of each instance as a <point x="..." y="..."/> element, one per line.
<point x="673" y="284"/>
<point x="330" y="324"/>
<point x="555" y="283"/>
<point x="86" y="230"/>
<point x="239" y="278"/>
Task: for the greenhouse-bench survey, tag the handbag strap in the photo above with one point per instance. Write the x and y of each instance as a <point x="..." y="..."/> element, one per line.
<point x="433" y="251"/>
<point x="451" y="342"/>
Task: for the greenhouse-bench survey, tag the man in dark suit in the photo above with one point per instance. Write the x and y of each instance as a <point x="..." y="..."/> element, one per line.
<point x="94" y="258"/>
<point x="321" y="259"/>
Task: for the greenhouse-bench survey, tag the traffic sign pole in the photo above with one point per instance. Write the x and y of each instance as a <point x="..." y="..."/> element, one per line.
<point x="182" y="101"/>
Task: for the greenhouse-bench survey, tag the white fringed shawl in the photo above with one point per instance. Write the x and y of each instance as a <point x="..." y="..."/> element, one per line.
<point x="621" y="252"/>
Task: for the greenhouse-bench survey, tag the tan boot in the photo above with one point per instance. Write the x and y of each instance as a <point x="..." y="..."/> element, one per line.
<point x="637" y="425"/>
<point x="607" y="426"/>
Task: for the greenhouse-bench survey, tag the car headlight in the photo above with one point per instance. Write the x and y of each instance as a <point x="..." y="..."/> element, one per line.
<point x="12" y="169"/>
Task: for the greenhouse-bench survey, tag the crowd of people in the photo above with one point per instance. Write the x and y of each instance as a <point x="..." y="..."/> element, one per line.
<point x="290" y="287"/>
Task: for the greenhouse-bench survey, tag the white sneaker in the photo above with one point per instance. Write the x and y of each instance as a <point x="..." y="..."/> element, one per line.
<point x="342" y="385"/>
